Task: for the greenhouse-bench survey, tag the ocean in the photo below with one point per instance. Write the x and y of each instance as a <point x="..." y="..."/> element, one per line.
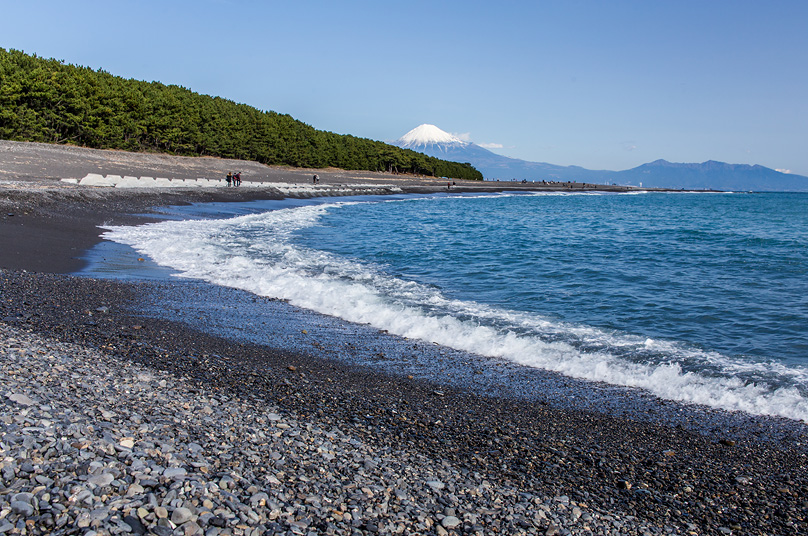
<point x="696" y="298"/>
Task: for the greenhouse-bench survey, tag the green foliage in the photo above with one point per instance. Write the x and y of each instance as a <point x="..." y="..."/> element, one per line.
<point x="46" y="100"/>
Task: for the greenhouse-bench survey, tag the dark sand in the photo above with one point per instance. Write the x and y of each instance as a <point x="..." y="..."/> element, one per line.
<point x="730" y="479"/>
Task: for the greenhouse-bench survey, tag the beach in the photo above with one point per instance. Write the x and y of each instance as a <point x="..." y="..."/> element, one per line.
<point x="119" y="422"/>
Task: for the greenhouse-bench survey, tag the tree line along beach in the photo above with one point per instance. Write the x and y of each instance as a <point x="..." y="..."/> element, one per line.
<point x="118" y="423"/>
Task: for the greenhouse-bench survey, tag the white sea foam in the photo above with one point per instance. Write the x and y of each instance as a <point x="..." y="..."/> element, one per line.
<point x="257" y="253"/>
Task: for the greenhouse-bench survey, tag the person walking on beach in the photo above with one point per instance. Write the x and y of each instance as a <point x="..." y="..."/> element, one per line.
<point x="237" y="179"/>
<point x="229" y="178"/>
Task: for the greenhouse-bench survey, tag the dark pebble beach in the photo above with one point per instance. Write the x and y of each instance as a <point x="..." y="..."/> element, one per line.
<point x="118" y="420"/>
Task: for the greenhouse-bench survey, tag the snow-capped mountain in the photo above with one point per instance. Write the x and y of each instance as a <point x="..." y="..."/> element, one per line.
<point x="432" y="141"/>
<point x="426" y="137"/>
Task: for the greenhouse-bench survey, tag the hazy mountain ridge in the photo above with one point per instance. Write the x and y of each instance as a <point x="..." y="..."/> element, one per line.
<point x="712" y="174"/>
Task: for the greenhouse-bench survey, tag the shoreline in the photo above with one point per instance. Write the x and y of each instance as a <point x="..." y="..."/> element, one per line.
<point x="59" y="220"/>
<point x="505" y="465"/>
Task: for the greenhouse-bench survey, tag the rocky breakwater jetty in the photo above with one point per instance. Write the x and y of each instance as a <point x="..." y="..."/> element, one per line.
<point x="92" y="445"/>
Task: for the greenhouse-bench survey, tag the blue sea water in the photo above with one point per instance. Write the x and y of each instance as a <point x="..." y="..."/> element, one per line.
<point x="699" y="298"/>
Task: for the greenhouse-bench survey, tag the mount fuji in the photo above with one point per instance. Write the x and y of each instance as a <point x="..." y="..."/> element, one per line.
<point x="433" y="141"/>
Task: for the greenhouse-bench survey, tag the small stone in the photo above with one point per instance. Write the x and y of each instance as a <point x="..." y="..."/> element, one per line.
<point x="623" y="484"/>
<point x="450" y="522"/>
<point x="161" y="512"/>
<point x="174" y="472"/>
<point x="552" y="530"/>
<point x="21" y="399"/>
<point x="104" y="479"/>
<point x="127" y="443"/>
<point x="22" y="508"/>
<point x="218" y="521"/>
<point x="83" y="520"/>
<point x="134" y="489"/>
<point x="135" y="524"/>
<point x="181" y="515"/>
<point x="24" y="497"/>
<point x="99" y="514"/>
<point x="727" y="443"/>
<point x="291" y="368"/>
<point x="436" y="485"/>
<point x="192" y="529"/>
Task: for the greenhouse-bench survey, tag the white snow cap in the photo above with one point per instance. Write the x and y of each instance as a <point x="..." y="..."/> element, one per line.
<point x="426" y="134"/>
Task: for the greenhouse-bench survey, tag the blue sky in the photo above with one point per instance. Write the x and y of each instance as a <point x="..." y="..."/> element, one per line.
<point x="600" y="84"/>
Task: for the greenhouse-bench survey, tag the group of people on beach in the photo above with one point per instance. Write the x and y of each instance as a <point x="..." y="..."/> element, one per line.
<point x="233" y="178"/>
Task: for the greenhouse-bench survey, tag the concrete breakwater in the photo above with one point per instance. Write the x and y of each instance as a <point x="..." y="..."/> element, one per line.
<point x="126" y="181"/>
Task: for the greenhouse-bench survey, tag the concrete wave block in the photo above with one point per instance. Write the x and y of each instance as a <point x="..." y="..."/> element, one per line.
<point x="128" y="182"/>
<point x="94" y="179"/>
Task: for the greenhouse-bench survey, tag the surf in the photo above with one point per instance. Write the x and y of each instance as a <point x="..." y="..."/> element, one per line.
<point x="262" y="254"/>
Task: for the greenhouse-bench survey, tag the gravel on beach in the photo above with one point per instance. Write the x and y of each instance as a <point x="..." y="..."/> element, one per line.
<point x="93" y="444"/>
<point x="115" y="424"/>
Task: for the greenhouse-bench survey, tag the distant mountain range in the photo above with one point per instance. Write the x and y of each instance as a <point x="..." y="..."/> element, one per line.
<point x="433" y="141"/>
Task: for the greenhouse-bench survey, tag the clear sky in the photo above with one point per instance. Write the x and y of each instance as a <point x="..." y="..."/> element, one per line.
<point x="600" y="84"/>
